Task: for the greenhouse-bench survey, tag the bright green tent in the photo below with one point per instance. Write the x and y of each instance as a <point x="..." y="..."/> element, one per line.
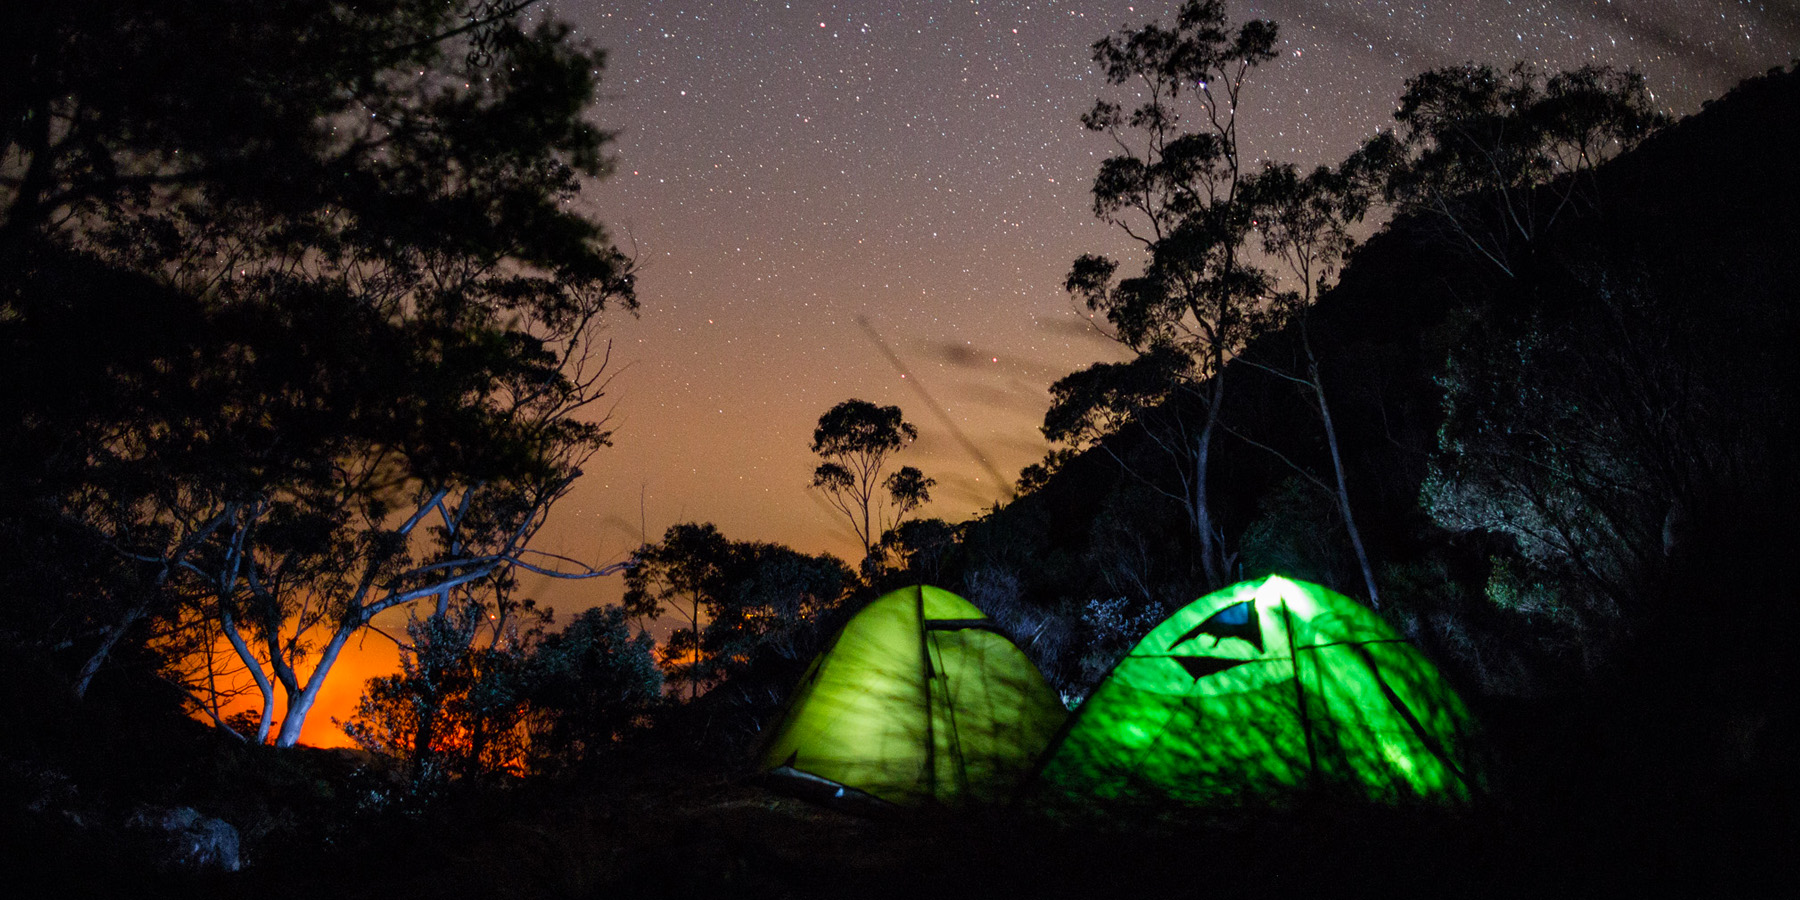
<point x="918" y="701"/>
<point x="1259" y="692"/>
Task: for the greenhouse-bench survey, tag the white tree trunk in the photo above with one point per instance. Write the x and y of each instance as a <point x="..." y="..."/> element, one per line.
<point x="1213" y="561"/>
<point x="301" y="703"/>
<point x="228" y="624"/>
<point x="1337" y="467"/>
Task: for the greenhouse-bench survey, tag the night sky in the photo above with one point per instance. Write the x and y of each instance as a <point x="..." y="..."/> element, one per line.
<point x="808" y="183"/>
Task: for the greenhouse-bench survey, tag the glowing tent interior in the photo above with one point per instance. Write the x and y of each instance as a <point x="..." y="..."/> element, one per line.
<point x="918" y="701"/>
<point x="1260" y="691"/>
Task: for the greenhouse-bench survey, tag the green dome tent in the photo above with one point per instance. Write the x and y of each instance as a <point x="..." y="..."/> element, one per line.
<point x="1260" y="691"/>
<point x="918" y="701"/>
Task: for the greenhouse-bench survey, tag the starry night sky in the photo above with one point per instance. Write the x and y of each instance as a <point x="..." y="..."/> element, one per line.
<point x="806" y="183"/>
<point x="824" y="196"/>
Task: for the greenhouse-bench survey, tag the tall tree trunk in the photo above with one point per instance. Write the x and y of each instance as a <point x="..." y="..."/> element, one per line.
<point x="1210" y="557"/>
<point x="301" y="703"/>
<point x="694" y="668"/>
<point x="1337" y="467"/>
<point x="1213" y="560"/>
<point x="228" y="624"/>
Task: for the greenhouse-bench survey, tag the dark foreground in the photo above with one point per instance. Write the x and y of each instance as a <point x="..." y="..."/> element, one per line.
<point x="657" y="828"/>
<point x="1596" y="799"/>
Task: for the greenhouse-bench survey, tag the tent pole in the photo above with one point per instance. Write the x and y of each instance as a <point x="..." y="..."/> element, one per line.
<point x="1312" y="756"/>
<point x="925" y="682"/>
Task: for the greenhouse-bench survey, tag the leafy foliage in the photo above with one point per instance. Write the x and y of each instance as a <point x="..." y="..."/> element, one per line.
<point x="757" y="612"/>
<point x="1295" y="536"/>
<point x="1596" y="437"/>
<point x="591" y="687"/>
<point x="452" y="711"/>
<point x="919" y="551"/>
<point x="1498" y="158"/>
<point x="1180" y="190"/>
<point x="855" y="439"/>
<point x="1097" y="401"/>
<point x="359" y="299"/>
<point x="524" y="702"/>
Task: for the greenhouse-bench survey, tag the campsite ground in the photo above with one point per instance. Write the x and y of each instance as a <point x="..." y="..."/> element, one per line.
<point x="661" y="823"/>
<point x="688" y="830"/>
<point x="663" y="827"/>
<point x="1582" y="805"/>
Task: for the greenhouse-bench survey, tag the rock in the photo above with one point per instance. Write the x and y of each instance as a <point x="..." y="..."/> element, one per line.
<point x="187" y="841"/>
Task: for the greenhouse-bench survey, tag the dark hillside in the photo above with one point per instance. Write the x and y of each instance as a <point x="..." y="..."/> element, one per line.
<point x="1648" y="344"/>
<point x="1724" y="177"/>
<point x="1697" y="224"/>
<point x="1705" y="210"/>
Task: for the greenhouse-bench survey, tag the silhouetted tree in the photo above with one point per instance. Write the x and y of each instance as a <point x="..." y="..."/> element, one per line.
<point x="766" y="609"/>
<point x="1498" y="158"/>
<point x="520" y="701"/>
<point x="776" y="608"/>
<point x="1038" y="474"/>
<point x="1176" y="187"/>
<point x="358" y="297"/>
<point x="292" y="105"/>
<point x="1304" y="221"/>
<point x="920" y="549"/>
<point x="682" y="571"/>
<point x="855" y="439"/>
<point x="455" y="709"/>
<point x="592" y="686"/>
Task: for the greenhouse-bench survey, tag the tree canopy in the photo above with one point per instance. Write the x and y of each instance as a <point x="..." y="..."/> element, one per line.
<point x="1497" y="158"/>
<point x="855" y="439"/>
<point x="1179" y="187"/>
<point x="313" y="269"/>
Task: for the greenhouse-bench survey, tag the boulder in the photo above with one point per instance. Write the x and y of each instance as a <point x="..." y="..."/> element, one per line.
<point x="186" y="841"/>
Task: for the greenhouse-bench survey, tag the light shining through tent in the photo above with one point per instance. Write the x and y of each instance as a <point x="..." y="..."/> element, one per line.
<point x="918" y="701"/>
<point x="1262" y="690"/>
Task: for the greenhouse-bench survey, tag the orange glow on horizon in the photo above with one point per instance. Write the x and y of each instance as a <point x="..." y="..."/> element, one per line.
<point x="370" y="656"/>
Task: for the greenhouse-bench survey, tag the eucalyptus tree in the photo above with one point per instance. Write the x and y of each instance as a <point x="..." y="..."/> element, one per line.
<point x="360" y="330"/>
<point x="1571" y="413"/>
<point x="758" y="601"/>
<point x="681" y="570"/>
<point x="1304" y="222"/>
<point x="855" y="440"/>
<point x="1498" y="158"/>
<point x="1176" y="187"/>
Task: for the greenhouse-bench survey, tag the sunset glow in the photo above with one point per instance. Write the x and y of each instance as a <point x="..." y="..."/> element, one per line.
<point x="368" y="658"/>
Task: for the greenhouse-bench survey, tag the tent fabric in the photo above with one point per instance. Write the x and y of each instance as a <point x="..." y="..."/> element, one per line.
<point x="918" y="701"/>
<point x="1261" y="691"/>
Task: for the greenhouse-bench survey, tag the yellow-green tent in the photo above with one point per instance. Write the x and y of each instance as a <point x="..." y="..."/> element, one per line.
<point x="918" y="701"/>
<point x="1259" y="692"/>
